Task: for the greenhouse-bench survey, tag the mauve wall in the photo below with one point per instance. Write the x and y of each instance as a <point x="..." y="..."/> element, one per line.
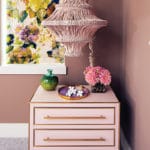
<point x="136" y="73"/>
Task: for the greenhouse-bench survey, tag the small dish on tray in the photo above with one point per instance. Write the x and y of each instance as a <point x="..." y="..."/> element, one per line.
<point x="73" y="92"/>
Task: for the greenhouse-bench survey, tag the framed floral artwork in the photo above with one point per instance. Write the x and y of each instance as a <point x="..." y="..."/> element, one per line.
<point x="26" y="45"/>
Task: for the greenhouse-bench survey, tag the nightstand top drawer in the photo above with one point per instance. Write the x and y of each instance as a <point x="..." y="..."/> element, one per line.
<point x="47" y="116"/>
<point x="42" y="96"/>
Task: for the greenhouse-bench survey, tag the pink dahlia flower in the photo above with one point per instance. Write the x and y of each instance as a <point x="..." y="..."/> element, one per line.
<point x="91" y="76"/>
<point x="97" y="74"/>
<point x="105" y="77"/>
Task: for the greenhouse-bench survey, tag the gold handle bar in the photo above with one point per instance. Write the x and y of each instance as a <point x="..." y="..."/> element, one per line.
<point x="48" y="139"/>
<point x="73" y="117"/>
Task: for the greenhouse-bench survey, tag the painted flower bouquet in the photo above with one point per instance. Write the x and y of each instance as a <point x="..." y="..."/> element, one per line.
<point x="98" y="77"/>
<point x="27" y="40"/>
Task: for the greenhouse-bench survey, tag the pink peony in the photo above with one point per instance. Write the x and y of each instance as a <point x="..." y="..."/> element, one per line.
<point x="97" y="74"/>
<point x="87" y="69"/>
<point x="105" y="77"/>
<point x="91" y="77"/>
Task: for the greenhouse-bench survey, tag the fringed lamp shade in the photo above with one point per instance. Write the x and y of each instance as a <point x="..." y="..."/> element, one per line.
<point x="74" y="24"/>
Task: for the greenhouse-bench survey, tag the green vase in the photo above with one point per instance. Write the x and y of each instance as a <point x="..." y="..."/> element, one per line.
<point x="49" y="81"/>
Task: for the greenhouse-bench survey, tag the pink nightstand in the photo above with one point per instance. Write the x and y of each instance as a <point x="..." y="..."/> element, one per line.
<point x="91" y="123"/>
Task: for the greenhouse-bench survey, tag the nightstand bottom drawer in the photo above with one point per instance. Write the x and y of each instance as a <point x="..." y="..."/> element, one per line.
<point x="75" y="148"/>
<point x="61" y="138"/>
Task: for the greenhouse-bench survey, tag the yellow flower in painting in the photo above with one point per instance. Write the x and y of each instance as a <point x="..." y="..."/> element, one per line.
<point x="30" y="12"/>
<point x="35" y="5"/>
<point x="46" y="2"/>
<point x="41" y="13"/>
<point x="26" y="1"/>
<point x="18" y="28"/>
<point x="53" y="43"/>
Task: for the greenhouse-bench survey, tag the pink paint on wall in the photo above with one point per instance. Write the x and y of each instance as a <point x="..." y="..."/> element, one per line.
<point x="136" y="77"/>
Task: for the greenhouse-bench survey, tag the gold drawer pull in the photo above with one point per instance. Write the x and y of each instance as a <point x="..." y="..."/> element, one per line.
<point x="48" y="139"/>
<point x="73" y="117"/>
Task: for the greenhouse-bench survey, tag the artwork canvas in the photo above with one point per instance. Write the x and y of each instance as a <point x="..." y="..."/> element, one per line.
<point x="27" y="40"/>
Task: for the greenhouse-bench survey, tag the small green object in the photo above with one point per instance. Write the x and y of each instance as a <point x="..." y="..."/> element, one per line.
<point x="23" y="15"/>
<point x="9" y="48"/>
<point x="9" y="39"/>
<point x="49" y="81"/>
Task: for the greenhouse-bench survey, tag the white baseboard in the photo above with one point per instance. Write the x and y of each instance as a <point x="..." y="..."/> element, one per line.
<point x="13" y="130"/>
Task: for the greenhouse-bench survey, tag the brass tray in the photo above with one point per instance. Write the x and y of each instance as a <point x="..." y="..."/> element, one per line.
<point x="63" y="90"/>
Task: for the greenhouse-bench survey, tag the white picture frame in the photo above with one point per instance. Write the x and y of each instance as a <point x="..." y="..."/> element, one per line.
<point x="58" y="68"/>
